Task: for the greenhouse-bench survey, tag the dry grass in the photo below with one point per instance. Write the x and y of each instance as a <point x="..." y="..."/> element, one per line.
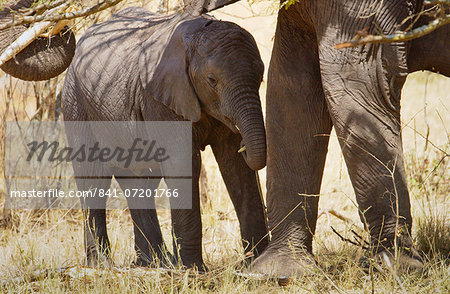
<point x="54" y="239"/>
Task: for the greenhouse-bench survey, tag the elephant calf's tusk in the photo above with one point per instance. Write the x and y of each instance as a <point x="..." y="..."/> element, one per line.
<point x="59" y="26"/>
<point x="242" y="149"/>
<point x="56" y="29"/>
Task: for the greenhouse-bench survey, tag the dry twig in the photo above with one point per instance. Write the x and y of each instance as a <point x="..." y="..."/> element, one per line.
<point x="362" y="37"/>
<point x="29" y="36"/>
<point x="358" y="243"/>
<point x="67" y="15"/>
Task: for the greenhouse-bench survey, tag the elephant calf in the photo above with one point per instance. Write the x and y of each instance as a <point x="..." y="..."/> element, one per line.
<point x="140" y="67"/>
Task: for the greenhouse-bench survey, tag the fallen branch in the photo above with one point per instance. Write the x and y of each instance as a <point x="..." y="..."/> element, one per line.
<point x="89" y="274"/>
<point x="34" y="276"/>
<point x="28" y="36"/>
<point x="67" y="16"/>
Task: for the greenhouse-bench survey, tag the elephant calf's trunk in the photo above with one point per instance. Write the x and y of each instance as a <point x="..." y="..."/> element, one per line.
<point x="250" y="122"/>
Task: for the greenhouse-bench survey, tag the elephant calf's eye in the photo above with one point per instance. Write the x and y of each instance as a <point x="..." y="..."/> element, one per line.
<point x="212" y="80"/>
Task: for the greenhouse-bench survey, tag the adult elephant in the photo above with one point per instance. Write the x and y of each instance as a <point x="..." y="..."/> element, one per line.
<point x="312" y="86"/>
<point x="44" y="58"/>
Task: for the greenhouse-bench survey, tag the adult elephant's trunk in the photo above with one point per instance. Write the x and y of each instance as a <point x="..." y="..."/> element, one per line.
<point x="41" y="60"/>
<point x="247" y="116"/>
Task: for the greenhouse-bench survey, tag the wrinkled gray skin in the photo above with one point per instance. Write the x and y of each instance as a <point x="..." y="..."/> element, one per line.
<point x="312" y="86"/>
<point x="41" y="60"/>
<point x="430" y="52"/>
<point x="209" y="73"/>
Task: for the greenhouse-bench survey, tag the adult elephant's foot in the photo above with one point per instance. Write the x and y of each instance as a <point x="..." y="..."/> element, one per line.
<point x="404" y="261"/>
<point x="407" y="259"/>
<point x="283" y="264"/>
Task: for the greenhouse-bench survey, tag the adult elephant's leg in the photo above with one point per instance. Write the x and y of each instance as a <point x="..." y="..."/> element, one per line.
<point x="430" y="52"/>
<point x="149" y="244"/>
<point x="298" y="127"/>
<point x="186" y="221"/>
<point x="242" y="186"/>
<point x="362" y="87"/>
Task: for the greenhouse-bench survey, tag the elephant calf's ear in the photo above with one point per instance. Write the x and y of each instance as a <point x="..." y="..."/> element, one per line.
<point x="168" y="81"/>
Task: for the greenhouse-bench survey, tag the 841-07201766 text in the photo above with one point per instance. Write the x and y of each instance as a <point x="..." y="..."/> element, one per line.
<point x="95" y="192"/>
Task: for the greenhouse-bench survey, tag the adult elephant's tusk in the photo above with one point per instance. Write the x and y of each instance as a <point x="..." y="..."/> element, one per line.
<point x="242" y="149"/>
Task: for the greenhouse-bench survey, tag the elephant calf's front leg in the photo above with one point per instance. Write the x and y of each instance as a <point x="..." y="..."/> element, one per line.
<point x="242" y="186"/>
